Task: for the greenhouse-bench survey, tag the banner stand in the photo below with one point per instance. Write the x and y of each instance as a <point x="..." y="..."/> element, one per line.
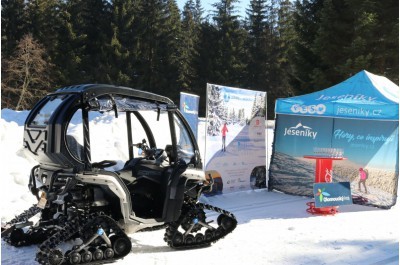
<point x="323" y="174"/>
<point x="235" y="138"/>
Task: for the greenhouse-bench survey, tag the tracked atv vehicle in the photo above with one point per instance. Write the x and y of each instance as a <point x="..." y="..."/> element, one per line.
<point x="98" y="204"/>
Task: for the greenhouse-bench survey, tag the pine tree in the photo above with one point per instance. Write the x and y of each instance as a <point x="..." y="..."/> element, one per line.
<point x="13" y="25"/>
<point x="305" y="59"/>
<point x="44" y="22"/>
<point x="217" y="111"/>
<point x="149" y="25"/>
<point x="122" y="48"/>
<point x="371" y="42"/>
<point x="256" y="45"/>
<point x="69" y="47"/>
<point x="91" y="21"/>
<point x="358" y="44"/>
<point x="206" y="65"/>
<point x="232" y="115"/>
<point x="254" y="108"/>
<point x="286" y="37"/>
<point x="386" y="47"/>
<point x="230" y="47"/>
<point x="191" y="20"/>
<point x="337" y="19"/>
<point x="170" y="51"/>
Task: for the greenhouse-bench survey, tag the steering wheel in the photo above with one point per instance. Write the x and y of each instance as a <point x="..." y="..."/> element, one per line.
<point x="105" y="163"/>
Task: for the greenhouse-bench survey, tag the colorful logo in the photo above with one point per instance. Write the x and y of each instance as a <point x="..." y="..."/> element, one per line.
<point x="310" y="109"/>
<point x="227" y="97"/>
<point x="187" y="110"/>
<point x="322" y="193"/>
<point x="339" y="194"/>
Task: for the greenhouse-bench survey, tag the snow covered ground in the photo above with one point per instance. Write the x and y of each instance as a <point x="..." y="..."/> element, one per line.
<point x="274" y="228"/>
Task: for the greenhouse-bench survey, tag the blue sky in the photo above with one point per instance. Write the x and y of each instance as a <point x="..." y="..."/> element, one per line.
<point x="207" y="6"/>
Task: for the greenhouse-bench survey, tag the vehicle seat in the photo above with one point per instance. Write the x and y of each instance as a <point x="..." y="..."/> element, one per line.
<point x="170" y="153"/>
<point x="126" y="173"/>
<point x="139" y="170"/>
<point x="147" y="192"/>
<point x="173" y="191"/>
<point x="74" y="147"/>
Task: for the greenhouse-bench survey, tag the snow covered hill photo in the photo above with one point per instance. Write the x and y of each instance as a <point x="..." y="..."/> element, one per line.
<point x="273" y="228"/>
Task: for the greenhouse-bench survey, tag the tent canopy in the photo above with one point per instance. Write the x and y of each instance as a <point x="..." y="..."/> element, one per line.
<point x="362" y="96"/>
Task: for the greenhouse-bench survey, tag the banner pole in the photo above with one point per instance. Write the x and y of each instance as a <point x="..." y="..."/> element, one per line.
<point x="267" y="142"/>
<point x="205" y="128"/>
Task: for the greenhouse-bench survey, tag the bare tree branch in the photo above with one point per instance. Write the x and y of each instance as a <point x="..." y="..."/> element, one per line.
<point x="26" y="75"/>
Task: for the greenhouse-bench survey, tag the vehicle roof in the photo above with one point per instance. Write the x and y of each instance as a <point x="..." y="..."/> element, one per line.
<point x="95" y="90"/>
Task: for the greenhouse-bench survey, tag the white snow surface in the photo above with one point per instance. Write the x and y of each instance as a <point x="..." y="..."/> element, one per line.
<point x="273" y="228"/>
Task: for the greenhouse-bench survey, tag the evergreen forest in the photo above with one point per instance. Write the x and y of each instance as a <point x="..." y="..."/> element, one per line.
<point x="283" y="47"/>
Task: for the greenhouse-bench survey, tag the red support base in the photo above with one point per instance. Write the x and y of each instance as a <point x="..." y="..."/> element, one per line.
<point x="322" y="211"/>
<point x="323" y="173"/>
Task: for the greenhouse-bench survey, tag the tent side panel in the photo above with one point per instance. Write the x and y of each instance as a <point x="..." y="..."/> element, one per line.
<point x="295" y="137"/>
<point x="372" y="145"/>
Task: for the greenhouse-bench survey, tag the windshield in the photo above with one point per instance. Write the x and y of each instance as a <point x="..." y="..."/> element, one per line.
<point x="43" y="116"/>
<point x="109" y="139"/>
<point x="110" y="102"/>
<point x="185" y="146"/>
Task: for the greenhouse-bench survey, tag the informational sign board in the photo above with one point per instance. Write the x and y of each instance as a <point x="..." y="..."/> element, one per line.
<point x="189" y="106"/>
<point x="235" y="153"/>
<point x="332" y="194"/>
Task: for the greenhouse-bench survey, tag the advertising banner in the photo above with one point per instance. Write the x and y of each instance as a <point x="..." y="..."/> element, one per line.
<point x="235" y="153"/>
<point x="189" y="106"/>
<point x="332" y="194"/>
<point x="368" y="146"/>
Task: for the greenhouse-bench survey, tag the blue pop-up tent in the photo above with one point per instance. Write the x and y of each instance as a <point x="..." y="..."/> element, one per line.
<point x="362" y="96"/>
<point x="359" y="117"/>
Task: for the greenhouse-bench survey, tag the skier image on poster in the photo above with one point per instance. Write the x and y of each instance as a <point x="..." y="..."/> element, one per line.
<point x="224" y="131"/>
<point x="363" y="178"/>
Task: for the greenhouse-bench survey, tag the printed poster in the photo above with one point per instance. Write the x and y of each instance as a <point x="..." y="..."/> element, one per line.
<point x="189" y="107"/>
<point x="235" y="153"/>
